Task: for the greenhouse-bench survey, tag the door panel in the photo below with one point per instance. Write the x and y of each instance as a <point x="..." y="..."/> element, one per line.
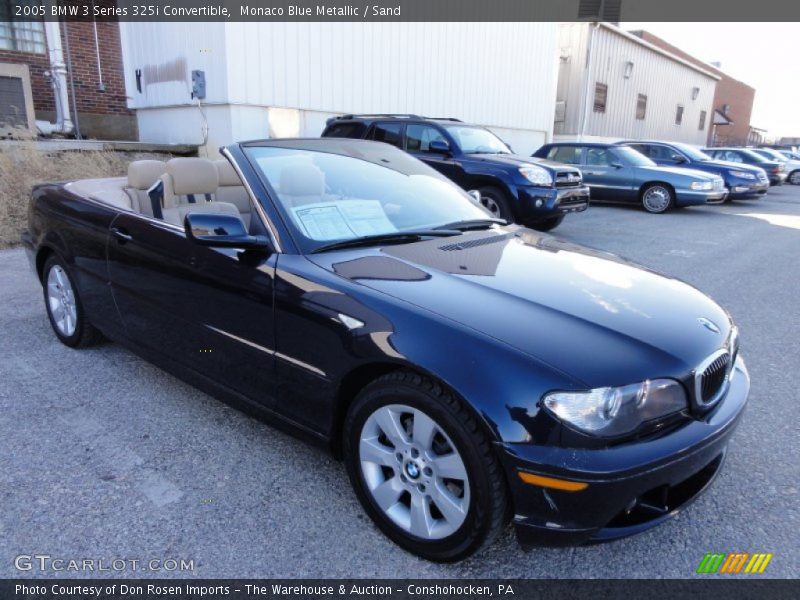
<point x="607" y="182"/>
<point x="417" y="142"/>
<point x="206" y="308"/>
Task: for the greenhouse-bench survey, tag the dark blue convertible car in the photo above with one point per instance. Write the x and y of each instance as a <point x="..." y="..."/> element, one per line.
<point x="468" y="373"/>
<point x="617" y="173"/>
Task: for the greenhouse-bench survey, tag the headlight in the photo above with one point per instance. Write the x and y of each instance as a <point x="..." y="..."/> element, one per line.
<point x="701" y="185"/>
<point x="743" y="175"/>
<point x="536" y="175"/>
<point x="613" y="411"/>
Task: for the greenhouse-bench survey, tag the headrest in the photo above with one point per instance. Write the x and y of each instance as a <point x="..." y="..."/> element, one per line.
<point x="227" y="174"/>
<point x="142" y="174"/>
<point x="302" y="180"/>
<point x="192" y="176"/>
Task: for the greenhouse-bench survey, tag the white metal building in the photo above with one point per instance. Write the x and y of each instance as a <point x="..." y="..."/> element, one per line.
<point x="612" y="85"/>
<point x="273" y="79"/>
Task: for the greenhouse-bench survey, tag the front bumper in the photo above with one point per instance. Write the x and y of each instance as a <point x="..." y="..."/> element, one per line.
<point x="536" y="203"/>
<point x="690" y="198"/>
<point x="777" y="178"/>
<point x="743" y="188"/>
<point x="30" y="248"/>
<point x="630" y="488"/>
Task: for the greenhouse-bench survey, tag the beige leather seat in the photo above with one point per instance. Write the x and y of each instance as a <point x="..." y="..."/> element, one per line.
<point x="301" y="184"/>
<point x="142" y="175"/>
<point x="231" y="190"/>
<point x="189" y="186"/>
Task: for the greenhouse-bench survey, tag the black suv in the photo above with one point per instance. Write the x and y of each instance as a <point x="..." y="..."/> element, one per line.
<point x="530" y="191"/>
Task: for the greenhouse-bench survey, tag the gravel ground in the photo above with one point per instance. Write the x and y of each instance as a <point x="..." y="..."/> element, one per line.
<point x="104" y="456"/>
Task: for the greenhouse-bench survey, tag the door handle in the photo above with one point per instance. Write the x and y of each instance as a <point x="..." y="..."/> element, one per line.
<point x="121" y="234"/>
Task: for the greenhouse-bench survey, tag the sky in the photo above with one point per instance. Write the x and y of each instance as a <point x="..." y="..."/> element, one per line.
<point x="765" y="56"/>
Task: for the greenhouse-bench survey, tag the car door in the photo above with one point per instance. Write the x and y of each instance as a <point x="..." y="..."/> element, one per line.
<point x="606" y="174"/>
<point x="207" y="309"/>
<point x="417" y="140"/>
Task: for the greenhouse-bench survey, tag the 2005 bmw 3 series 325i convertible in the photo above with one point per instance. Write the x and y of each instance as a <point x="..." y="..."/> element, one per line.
<point x="468" y="372"/>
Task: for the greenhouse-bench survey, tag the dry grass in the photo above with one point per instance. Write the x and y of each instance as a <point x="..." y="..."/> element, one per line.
<point x="23" y="166"/>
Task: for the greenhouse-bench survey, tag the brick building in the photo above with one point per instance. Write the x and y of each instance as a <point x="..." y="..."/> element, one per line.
<point x="733" y="99"/>
<point x="76" y="65"/>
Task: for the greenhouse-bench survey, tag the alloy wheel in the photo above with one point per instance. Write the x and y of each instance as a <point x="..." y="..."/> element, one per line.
<point x="414" y="472"/>
<point x="491" y="205"/>
<point x="61" y="301"/>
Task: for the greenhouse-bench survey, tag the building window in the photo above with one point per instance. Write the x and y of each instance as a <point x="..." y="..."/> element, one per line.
<point x="702" y="125"/>
<point x="679" y="115"/>
<point x="600" y="97"/>
<point x="20" y="36"/>
<point x="641" y="107"/>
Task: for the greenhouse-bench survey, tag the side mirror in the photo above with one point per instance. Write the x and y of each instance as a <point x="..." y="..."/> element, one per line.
<point x="475" y="195"/>
<point x="222" y="231"/>
<point x="679" y="159"/>
<point x="617" y="165"/>
<point x="439" y="147"/>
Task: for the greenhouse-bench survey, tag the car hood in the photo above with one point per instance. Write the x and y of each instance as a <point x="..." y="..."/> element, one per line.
<point x="724" y="164"/>
<point x="518" y="160"/>
<point x="596" y="317"/>
<point x="682" y="171"/>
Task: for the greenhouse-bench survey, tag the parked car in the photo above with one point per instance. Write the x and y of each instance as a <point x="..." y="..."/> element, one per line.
<point x="741" y="181"/>
<point x="789" y="154"/>
<point x="621" y="174"/>
<point x="790" y="163"/>
<point x="466" y="372"/>
<point x="776" y="171"/>
<point x="515" y="188"/>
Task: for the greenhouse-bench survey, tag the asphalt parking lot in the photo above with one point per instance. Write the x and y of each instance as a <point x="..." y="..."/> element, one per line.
<point x="104" y="456"/>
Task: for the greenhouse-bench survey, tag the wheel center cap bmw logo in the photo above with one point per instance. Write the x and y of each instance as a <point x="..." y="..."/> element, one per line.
<point x="412" y="470"/>
<point x="710" y="325"/>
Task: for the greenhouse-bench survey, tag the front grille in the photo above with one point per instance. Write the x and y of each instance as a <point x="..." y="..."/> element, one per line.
<point x="711" y="378"/>
<point x="568" y="179"/>
<point x="572" y="201"/>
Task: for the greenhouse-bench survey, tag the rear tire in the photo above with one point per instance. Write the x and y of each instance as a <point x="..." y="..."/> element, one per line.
<point x="547" y="224"/>
<point x="434" y="473"/>
<point x="657" y="198"/>
<point x="496" y="202"/>
<point x="64" y="306"/>
<point x="794" y="177"/>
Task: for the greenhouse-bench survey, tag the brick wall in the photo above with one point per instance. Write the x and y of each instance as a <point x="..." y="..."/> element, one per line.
<point x="85" y="75"/>
<point x="101" y="114"/>
<point x="43" y="99"/>
<point x="738" y="95"/>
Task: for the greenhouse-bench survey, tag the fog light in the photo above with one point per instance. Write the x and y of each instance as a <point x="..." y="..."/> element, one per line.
<point x="539" y="203"/>
<point x="740" y="188"/>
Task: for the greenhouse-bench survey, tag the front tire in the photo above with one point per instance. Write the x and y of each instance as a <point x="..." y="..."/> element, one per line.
<point x="657" y="198"/>
<point x="547" y="224"/>
<point x="794" y="177"/>
<point x="496" y="202"/>
<point x="423" y="469"/>
<point x="64" y="306"/>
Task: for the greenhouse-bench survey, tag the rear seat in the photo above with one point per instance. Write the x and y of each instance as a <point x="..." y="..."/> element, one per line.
<point x="189" y="186"/>
<point x="142" y="174"/>
<point x="231" y="189"/>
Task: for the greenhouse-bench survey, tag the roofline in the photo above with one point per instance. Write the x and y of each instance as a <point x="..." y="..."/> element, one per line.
<point x="636" y="39"/>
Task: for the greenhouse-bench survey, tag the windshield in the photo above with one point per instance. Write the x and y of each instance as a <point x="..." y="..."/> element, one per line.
<point x="353" y="190"/>
<point x="632" y="157"/>
<point x="692" y="152"/>
<point x="476" y="140"/>
<point x="754" y="155"/>
<point x="773" y="154"/>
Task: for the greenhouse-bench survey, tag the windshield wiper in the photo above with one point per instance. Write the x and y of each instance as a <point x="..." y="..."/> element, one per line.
<point x="388" y="238"/>
<point x="471" y="224"/>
